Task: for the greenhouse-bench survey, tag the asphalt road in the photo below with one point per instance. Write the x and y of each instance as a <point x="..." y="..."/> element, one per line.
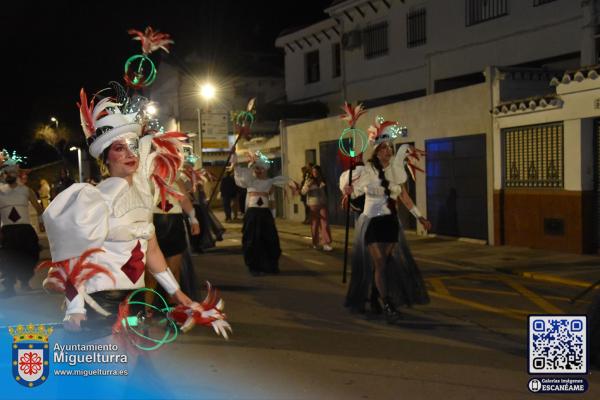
<point x="292" y="338"/>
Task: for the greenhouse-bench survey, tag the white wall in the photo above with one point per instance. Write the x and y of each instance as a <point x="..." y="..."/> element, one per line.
<point x="526" y="34"/>
<point x="458" y="112"/>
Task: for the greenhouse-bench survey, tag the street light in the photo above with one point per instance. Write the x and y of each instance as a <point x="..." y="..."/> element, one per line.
<point x="207" y="92"/>
<point x="73" y="148"/>
<point x="53" y="119"/>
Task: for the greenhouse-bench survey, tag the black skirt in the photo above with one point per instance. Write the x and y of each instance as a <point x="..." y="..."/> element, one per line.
<point x="19" y="253"/>
<point x="170" y="233"/>
<point x="260" y="241"/>
<point x="383" y="229"/>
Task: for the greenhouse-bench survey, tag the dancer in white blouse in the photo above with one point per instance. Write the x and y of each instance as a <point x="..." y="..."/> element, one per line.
<point x="260" y="240"/>
<point x="380" y="253"/>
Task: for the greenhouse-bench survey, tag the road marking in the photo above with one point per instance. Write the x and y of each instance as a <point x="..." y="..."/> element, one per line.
<point x="506" y="293"/>
<point x="283" y="253"/>
<point x="555" y="279"/>
<point x="234" y="240"/>
<point x="448" y="264"/>
<point x="310" y="261"/>
<point x="534" y="297"/>
<point x="479" y="306"/>
<point x="438" y="286"/>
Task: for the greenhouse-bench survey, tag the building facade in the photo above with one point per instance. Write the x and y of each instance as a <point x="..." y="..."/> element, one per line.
<point x="383" y="51"/>
<point x="510" y="147"/>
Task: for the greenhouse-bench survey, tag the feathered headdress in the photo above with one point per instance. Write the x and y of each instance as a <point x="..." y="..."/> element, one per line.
<point x="152" y="40"/>
<point x="384" y="131"/>
<point x="352" y="114"/>
<point x="103" y="123"/>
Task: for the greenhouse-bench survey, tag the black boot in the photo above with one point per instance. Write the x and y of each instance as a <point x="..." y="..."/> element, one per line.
<point x="392" y="315"/>
<point x="375" y="305"/>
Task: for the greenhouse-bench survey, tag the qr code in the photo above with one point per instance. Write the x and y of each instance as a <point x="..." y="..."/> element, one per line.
<point x="557" y="344"/>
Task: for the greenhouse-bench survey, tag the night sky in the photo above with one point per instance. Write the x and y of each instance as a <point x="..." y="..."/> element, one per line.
<point x="52" y="49"/>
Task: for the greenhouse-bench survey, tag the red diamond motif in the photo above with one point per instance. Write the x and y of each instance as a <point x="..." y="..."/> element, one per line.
<point x="70" y="291"/>
<point x="134" y="267"/>
<point x="260" y="201"/>
<point x="167" y="207"/>
<point x="14" y="215"/>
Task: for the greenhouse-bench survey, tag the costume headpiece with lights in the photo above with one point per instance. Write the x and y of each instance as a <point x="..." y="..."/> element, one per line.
<point x="259" y="159"/>
<point x="385" y="131"/>
<point x="10" y="161"/>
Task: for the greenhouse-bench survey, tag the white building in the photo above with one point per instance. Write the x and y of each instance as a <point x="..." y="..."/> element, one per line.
<point x="383" y="51"/>
<point x="427" y="64"/>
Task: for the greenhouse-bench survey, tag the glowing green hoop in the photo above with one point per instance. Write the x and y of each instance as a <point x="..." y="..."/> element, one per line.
<point x="129" y="324"/>
<point x="353" y="134"/>
<point x="137" y="79"/>
<point x="244" y="116"/>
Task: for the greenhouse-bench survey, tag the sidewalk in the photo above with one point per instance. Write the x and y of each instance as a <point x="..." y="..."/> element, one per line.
<point x="563" y="268"/>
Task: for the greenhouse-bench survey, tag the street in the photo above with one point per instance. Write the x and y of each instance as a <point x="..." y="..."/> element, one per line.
<point x="292" y="338"/>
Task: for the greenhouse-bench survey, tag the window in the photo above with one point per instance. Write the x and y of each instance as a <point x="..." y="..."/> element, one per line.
<point x="541" y="2"/>
<point x="375" y="40"/>
<point x="533" y="156"/>
<point x="477" y="11"/>
<point x="337" y="60"/>
<point x="416" y="28"/>
<point x="311" y="64"/>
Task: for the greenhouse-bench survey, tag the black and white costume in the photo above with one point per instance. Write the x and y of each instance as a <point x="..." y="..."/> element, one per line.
<point x="260" y="240"/>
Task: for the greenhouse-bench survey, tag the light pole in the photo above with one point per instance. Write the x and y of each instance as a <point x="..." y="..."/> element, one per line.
<point x="73" y="148"/>
<point x="207" y="92"/>
<point x="53" y="119"/>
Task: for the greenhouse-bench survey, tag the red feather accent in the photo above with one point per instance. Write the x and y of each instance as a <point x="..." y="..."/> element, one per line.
<point x="181" y="314"/>
<point x="152" y="40"/>
<point x="352" y="114"/>
<point x="85" y="113"/>
<point x="61" y="272"/>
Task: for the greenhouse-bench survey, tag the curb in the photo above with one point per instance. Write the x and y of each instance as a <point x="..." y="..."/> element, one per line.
<point x="547" y="278"/>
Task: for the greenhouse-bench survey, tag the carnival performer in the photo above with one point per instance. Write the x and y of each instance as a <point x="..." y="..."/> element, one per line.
<point x="101" y="237"/>
<point x="260" y="240"/>
<point x="380" y="254"/>
<point x="20" y="248"/>
<point x="316" y="198"/>
<point x="194" y="180"/>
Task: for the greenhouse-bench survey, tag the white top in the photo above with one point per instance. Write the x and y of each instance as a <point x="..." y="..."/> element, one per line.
<point x="113" y="216"/>
<point x="14" y="205"/>
<point x="245" y="178"/>
<point x="365" y="180"/>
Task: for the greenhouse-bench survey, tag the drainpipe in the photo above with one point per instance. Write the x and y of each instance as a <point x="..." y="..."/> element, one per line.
<point x="588" y="33"/>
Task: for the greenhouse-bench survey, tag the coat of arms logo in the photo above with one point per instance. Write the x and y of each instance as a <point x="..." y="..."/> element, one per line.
<point x="30" y="354"/>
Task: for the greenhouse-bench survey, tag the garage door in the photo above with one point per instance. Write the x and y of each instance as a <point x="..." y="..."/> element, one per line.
<point x="456" y="186"/>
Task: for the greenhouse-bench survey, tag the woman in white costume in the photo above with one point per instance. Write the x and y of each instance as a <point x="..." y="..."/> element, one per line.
<point x="260" y="240"/>
<point x="381" y="256"/>
<point x="102" y="238"/>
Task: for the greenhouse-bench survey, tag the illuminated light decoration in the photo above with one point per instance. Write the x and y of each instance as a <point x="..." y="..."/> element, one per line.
<point x="139" y="71"/>
<point x="135" y="328"/>
<point x="384" y="131"/>
<point x="243" y="120"/>
<point x="9" y="159"/>
<point x="259" y="159"/>
<point x="352" y="139"/>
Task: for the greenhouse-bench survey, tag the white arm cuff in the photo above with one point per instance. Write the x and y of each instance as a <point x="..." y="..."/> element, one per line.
<point x="192" y="217"/>
<point x="167" y="281"/>
<point x="415" y="212"/>
<point x="75" y="306"/>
